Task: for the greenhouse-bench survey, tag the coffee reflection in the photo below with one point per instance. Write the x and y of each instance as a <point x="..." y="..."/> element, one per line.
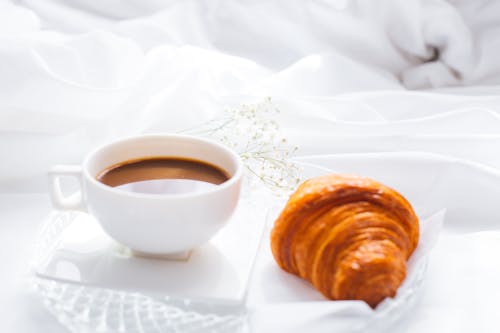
<point x="163" y="175"/>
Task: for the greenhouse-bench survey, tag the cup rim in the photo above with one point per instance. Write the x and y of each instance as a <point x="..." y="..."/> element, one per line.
<point x="221" y="187"/>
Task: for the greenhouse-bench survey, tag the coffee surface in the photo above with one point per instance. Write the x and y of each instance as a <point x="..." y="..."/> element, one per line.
<point x="163" y="175"/>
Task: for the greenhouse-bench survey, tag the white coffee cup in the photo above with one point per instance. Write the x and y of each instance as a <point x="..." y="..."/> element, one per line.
<point x="154" y="224"/>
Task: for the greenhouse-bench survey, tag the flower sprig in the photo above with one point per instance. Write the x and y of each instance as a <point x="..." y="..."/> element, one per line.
<point x="252" y="131"/>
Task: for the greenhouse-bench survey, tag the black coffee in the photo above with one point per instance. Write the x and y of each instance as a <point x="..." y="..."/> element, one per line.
<point x="163" y="175"/>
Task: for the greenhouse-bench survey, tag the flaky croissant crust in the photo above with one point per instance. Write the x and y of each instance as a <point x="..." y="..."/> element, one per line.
<point x="349" y="236"/>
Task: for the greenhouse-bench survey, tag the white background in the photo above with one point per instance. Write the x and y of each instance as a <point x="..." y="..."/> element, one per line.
<point x="74" y="74"/>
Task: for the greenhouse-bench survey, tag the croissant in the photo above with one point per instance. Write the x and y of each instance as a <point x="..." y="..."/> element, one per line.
<point x="349" y="236"/>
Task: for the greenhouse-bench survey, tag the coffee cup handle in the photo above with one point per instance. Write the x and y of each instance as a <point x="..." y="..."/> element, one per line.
<point x="59" y="201"/>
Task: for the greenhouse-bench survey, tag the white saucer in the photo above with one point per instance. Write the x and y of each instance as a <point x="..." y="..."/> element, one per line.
<point x="83" y="254"/>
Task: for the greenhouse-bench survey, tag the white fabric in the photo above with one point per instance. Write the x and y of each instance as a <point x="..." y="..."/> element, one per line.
<point x="77" y="73"/>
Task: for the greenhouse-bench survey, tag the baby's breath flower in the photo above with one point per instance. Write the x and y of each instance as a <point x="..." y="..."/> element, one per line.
<point x="253" y="133"/>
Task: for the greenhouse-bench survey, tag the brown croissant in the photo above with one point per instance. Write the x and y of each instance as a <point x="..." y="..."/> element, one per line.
<point x="349" y="236"/>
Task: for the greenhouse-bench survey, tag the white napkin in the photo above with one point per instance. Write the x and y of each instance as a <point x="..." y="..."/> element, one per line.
<point x="284" y="303"/>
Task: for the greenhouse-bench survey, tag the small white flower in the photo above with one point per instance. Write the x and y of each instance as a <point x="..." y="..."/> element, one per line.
<point x="254" y="134"/>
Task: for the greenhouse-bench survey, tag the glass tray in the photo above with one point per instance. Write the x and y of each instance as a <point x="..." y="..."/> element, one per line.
<point x="86" y="303"/>
<point x="90" y="283"/>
